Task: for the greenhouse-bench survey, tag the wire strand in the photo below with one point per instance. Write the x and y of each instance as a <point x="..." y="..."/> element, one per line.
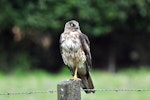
<point x="26" y="93"/>
<point x="97" y="90"/>
<point x="118" y="90"/>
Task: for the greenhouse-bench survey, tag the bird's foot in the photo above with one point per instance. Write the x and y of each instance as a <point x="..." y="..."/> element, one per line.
<point x="74" y="79"/>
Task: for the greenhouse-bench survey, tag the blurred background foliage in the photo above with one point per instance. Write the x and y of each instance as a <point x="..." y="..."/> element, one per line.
<point x="119" y="31"/>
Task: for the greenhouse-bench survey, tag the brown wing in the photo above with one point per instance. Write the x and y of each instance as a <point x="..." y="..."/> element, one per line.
<point x="86" y="47"/>
<point x="86" y="79"/>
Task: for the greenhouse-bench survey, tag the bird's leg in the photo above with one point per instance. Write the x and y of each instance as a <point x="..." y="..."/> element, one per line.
<point x="75" y="75"/>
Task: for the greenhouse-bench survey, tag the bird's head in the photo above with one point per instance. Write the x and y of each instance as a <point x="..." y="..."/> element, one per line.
<point x="72" y="25"/>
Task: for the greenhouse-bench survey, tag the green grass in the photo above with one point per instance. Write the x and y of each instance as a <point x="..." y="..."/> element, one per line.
<point x="42" y="81"/>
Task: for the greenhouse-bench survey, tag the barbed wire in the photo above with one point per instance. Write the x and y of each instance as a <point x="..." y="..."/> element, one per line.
<point x="31" y="92"/>
<point x="119" y="90"/>
<point x="97" y="90"/>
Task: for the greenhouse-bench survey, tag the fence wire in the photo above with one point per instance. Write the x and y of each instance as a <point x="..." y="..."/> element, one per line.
<point x="119" y="90"/>
<point x="30" y="92"/>
<point x="97" y="90"/>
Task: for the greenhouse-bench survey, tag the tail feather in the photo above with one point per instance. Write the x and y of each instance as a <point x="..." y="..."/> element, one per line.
<point x="87" y="83"/>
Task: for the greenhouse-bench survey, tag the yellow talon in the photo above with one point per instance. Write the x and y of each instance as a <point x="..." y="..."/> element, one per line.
<point x="75" y="75"/>
<point x="74" y="78"/>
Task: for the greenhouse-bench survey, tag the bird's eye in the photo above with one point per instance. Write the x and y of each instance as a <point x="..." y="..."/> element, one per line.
<point x="72" y="25"/>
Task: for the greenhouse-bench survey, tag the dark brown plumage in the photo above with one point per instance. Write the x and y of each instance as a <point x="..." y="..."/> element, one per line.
<point x="75" y="51"/>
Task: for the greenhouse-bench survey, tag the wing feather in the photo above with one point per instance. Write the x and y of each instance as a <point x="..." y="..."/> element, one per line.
<point x="86" y="47"/>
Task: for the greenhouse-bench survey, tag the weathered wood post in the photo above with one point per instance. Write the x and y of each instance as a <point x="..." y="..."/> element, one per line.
<point x="69" y="90"/>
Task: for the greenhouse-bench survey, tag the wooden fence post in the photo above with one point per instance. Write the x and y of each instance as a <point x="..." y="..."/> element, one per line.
<point x="69" y="90"/>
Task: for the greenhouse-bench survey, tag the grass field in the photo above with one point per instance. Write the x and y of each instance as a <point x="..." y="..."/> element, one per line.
<point x="42" y="81"/>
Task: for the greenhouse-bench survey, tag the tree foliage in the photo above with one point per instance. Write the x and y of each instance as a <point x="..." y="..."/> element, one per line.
<point x="100" y="16"/>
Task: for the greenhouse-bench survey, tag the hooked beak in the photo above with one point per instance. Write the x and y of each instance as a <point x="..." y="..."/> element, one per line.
<point x="76" y="27"/>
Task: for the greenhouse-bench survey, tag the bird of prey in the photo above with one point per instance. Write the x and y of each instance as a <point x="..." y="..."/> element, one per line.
<point x="75" y="51"/>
